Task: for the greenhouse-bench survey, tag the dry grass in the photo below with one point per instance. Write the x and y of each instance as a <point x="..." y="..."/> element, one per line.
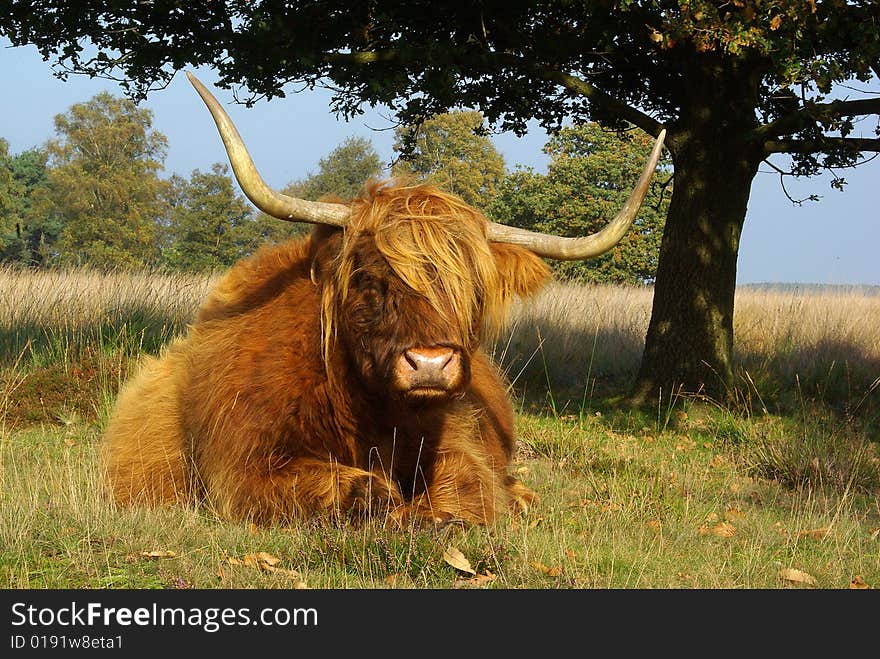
<point x="68" y="338"/>
<point x="79" y="298"/>
<point x="788" y="343"/>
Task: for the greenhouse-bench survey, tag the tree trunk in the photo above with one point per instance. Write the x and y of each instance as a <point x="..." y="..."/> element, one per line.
<point x="689" y="344"/>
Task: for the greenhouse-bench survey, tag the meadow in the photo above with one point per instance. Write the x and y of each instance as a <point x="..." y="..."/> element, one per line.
<point x="778" y="487"/>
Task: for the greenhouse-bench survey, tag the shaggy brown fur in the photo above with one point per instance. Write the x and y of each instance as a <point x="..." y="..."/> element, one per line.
<point x="293" y="393"/>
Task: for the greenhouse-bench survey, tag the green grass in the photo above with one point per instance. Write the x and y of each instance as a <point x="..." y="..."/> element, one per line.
<point x="690" y="495"/>
<point x="625" y="508"/>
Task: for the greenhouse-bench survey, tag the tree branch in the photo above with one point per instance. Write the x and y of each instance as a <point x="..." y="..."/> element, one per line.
<point x="363" y="57"/>
<point x="822" y="145"/>
<point x="570" y="82"/>
<point x="583" y="88"/>
<point x="813" y="112"/>
<point x="782" y="175"/>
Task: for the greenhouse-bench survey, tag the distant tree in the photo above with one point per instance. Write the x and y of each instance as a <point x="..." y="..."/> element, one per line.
<point x="452" y="151"/>
<point x="27" y="235"/>
<point x="343" y="172"/>
<point x="341" y="175"/>
<point x="209" y="225"/>
<point x="9" y="194"/>
<point x="591" y="172"/>
<point x="103" y="185"/>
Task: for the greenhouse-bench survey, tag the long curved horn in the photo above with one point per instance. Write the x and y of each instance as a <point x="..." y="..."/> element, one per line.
<point x="263" y="197"/>
<point x="585" y="247"/>
<point x="284" y="207"/>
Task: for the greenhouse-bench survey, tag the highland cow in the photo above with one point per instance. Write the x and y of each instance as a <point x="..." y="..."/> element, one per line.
<point x="342" y="372"/>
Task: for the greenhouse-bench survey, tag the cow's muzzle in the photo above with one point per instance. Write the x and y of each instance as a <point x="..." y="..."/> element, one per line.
<point x="426" y="373"/>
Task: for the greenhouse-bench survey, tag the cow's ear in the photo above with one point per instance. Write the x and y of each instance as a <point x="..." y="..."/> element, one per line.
<point x="326" y="241"/>
<point x="520" y="270"/>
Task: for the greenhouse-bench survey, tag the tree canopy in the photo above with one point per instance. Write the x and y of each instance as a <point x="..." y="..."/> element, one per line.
<point x="103" y="186"/>
<point x="24" y="234"/>
<point x="342" y="172"/>
<point x="452" y="151"/>
<point x="734" y="82"/>
<point x="8" y="195"/>
<point x="210" y="225"/>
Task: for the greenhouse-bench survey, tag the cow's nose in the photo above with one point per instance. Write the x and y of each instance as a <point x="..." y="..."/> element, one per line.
<point x="429" y="361"/>
<point x="437" y="368"/>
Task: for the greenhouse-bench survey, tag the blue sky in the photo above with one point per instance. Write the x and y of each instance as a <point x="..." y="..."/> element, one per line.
<point x="834" y="241"/>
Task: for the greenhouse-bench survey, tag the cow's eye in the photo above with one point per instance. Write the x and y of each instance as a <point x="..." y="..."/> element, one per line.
<point x="371" y="289"/>
<point x="373" y="294"/>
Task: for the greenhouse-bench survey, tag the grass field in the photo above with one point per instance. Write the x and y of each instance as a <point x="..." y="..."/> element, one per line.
<point x="779" y="488"/>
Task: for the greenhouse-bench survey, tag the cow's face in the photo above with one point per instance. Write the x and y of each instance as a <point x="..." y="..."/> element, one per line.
<point x="408" y="301"/>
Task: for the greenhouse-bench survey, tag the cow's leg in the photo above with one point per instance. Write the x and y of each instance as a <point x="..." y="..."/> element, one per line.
<point x="460" y="478"/>
<point x="496" y="426"/>
<point x="299" y="488"/>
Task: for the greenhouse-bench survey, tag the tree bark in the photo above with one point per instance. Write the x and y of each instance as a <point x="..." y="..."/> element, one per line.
<point x="689" y="344"/>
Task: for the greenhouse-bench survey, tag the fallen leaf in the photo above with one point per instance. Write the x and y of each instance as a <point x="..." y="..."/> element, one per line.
<point x="796" y="576"/>
<point x="816" y="534"/>
<point x="159" y="553"/>
<point x="476" y="581"/>
<point x="549" y="571"/>
<point x="858" y="583"/>
<point x="457" y="560"/>
<point x="724" y="530"/>
<point x="264" y="561"/>
<point x="261" y="560"/>
<point x="263" y="557"/>
<point x="293" y="574"/>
